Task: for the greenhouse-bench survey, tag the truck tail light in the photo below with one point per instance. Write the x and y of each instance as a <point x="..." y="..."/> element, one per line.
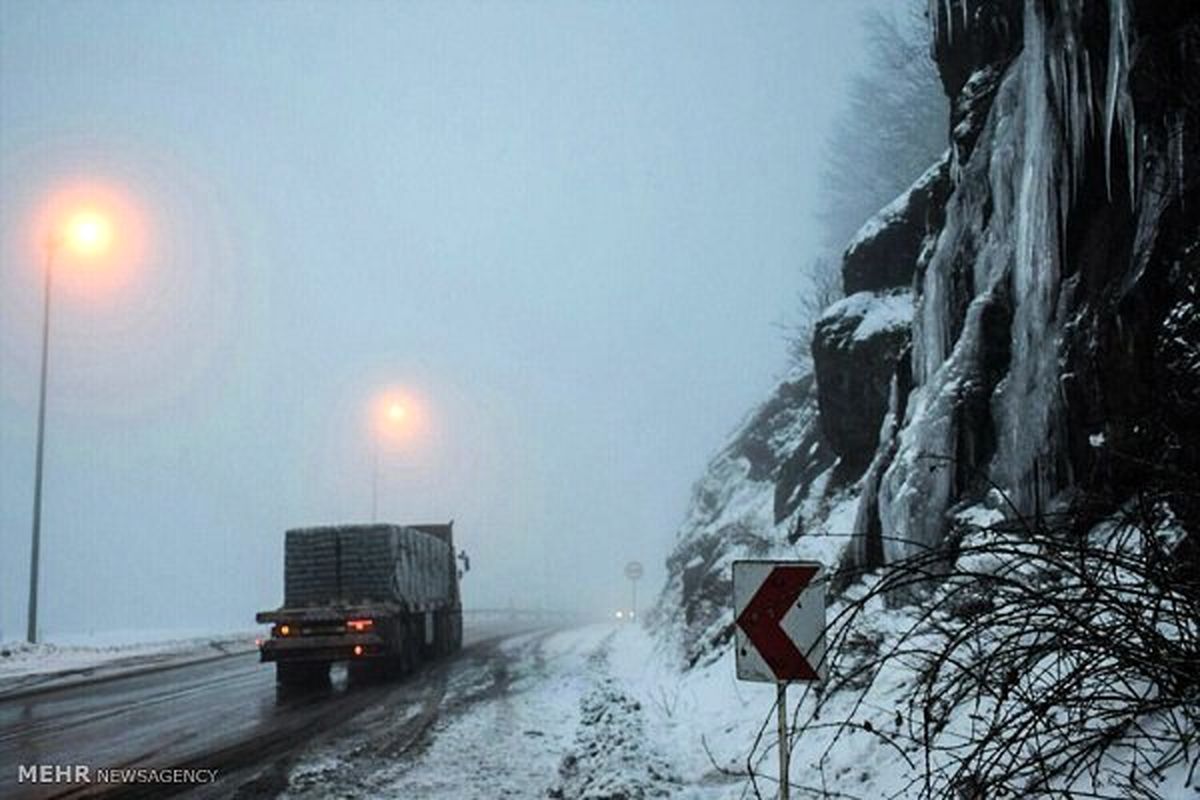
<point x="360" y="625"/>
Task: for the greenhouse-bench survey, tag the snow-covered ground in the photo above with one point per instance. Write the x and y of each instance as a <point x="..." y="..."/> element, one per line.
<point x="596" y="713"/>
<point x="86" y="656"/>
<point x="496" y="726"/>
<point x="603" y="712"/>
<point x="714" y="730"/>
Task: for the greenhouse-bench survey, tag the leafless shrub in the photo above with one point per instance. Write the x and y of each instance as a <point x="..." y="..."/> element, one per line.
<point x="1049" y="661"/>
<point x="824" y="288"/>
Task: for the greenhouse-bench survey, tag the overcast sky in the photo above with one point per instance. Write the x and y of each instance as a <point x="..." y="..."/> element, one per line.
<point x="563" y="230"/>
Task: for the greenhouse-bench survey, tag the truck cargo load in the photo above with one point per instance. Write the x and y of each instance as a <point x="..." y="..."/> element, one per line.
<point x="383" y="596"/>
<point x="362" y="563"/>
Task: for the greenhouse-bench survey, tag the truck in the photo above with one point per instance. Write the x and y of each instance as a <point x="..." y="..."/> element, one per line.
<point x="383" y="598"/>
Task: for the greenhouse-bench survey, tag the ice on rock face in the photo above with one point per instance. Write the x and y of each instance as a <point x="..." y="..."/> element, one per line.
<point x="946" y="12"/>
<point x="1118" y="103"/>
<point x="1000" y="245"/>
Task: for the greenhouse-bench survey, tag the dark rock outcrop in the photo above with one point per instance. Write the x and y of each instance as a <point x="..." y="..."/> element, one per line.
<point x="1132" y="348"/>
<point x="971" y="36"/>
<point x="1047" y="356"/>
<point x="856" y="346"/>
<point x="884" y="253"/>
<point x="773" y="456"/>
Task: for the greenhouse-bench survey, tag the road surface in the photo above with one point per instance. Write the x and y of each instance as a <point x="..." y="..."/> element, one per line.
<point x="226" y="715"/>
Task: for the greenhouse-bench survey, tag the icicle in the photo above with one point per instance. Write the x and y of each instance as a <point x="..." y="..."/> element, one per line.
<point x="1175" y="139"/>
<point x="940" y="8"/>
<point x="1088" y="93"/>
<point x="1180" y="175"/>
<point x="1008" y="213"/>
<point x="1118" y="105"/>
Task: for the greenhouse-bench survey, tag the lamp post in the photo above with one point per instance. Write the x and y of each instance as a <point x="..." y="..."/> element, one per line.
<point x="375" y="482"/>
<point x="87" y="233"/>
<point x="389" y="429"/>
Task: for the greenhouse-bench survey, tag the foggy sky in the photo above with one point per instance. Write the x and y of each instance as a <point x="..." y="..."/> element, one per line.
<point x="567" y="229"/>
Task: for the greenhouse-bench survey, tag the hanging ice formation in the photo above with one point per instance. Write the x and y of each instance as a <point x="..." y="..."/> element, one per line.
<point x="1000" y="254"/>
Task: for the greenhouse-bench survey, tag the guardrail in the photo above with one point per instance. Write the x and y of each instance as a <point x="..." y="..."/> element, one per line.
<point x="527" y="613"/>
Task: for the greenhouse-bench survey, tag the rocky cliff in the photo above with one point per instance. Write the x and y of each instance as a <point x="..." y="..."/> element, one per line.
<point x="1024" y="320"/>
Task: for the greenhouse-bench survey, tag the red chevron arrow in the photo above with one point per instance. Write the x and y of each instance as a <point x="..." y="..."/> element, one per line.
<point x="761" y="617"/>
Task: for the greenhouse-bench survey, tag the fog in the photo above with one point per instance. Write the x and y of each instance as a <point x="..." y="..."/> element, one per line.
<point x="563" y="232"/>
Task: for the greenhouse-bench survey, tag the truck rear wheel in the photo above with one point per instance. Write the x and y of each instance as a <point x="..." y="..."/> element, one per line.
<point x="301" y="673"/>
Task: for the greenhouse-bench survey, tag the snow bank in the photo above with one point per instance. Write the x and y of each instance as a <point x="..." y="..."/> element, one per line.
<point x="612" y="757"/>
<point x="83" y="656"/>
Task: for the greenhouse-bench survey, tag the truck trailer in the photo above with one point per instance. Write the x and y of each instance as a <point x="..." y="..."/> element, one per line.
<point x="383" y="598"/>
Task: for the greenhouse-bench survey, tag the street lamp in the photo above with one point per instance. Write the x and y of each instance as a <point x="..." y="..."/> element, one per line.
<point x="88" y="233"/>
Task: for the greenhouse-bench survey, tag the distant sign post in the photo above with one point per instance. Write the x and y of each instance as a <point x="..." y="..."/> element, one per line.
<point x="779" y="608"/>
<point x="634" y="571"/>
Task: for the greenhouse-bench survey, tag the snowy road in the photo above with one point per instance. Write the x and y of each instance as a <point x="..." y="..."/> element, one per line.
<point x="495" y="724"/>
<point x="227" y="715"/>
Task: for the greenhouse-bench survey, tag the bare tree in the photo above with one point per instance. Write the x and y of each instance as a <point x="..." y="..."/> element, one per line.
<point x="893" y="127"/>
<point x="824" y="280"/>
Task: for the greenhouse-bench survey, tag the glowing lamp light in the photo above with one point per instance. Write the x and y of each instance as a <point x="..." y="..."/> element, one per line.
<point x="396" y="418"/>
<point x="95" y="234"/>
<point x="89" y="233"/>
<point x="358" y="649"/>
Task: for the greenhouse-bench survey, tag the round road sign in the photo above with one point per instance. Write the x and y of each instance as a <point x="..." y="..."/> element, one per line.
<point x="633" y="570"/>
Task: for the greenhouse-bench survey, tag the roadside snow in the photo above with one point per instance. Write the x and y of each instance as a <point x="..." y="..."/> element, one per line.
<point x="710" y="726"/>
<point x="87" y="656"/>
<point x="499" y="728"/>
<point x="612" y="758"/>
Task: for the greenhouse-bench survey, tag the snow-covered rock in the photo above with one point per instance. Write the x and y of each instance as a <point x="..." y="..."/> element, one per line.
<point x="767" y="492"/>
<point x="857" y="344"/>
<point x="883" y="254"/>
<point x="1040" y="308"/>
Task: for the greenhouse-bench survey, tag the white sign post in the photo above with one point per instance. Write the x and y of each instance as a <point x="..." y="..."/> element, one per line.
<point x="779" y="607"/>
<point x="633" y="571"/>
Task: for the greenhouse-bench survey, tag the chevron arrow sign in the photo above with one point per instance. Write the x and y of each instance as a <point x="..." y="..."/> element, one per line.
<point x="779" y="607"/>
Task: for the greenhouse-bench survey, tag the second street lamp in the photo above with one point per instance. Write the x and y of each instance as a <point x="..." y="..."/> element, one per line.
<point x="387" y="429"/>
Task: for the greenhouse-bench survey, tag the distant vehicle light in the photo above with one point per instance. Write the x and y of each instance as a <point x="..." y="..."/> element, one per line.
<point x="257" y="642"/>
<point x="358" y="649"/>
<point x="620" y="615"/>
<point x="360" y="625"/>
<point x="285" y="630"/>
